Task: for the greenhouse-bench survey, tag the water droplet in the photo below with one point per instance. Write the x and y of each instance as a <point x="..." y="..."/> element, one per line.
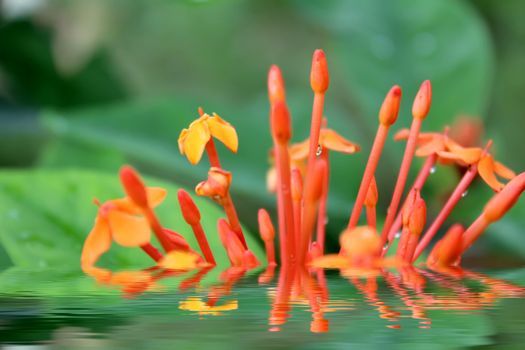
<point x="319" y="150"/>
<point x="433" y="170"/>
<point x="464" y="194"/>
<point x="326" y="221"/>
<point x="398" y="234"/>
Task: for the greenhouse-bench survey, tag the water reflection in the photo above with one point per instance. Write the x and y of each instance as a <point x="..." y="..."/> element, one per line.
<point x="392" y="294"/>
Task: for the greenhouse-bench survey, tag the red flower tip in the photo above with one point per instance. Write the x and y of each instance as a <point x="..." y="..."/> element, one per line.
<point x="422" y="101"/>
<point x="504" y="200"/>
<point x="319" y="78"/>
<point x="371" y="195"/>
<point x="447" y="251"/>
<point x="133" y="186"/>
<point x="280" y="122"/>
<point x="415" y="213"/>
<point x="297" y="185"/>
<point x="266" y="228"/>
<point x="177" y="239"/>
<point x="276" y="91"/>
<point x="313" y="193"/>
<point x="390" y="107"/>
<point x="249" y="260"/>
<point x="189" y="209"/>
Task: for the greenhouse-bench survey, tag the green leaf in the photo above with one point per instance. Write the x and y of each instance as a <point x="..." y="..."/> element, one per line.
<point x="46" y="216"/>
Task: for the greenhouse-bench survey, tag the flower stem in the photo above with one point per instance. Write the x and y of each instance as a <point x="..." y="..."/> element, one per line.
<point x="321" y="215"/>
<point x="233" y="219"/>
<point x="203" y="243"/>
<point x="373" y="160"/>
<point x="151" y="251"/>
<point x="155" y="225"/>
<point x="213" y="156"/>
<point x="402" y="177"/>
<point x="453" y="200"/>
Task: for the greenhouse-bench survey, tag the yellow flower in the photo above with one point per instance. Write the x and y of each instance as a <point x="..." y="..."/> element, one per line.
<point x="192" y="141"/>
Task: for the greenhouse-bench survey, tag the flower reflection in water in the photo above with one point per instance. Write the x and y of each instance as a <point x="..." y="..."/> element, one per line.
<point x="394" y="294"/>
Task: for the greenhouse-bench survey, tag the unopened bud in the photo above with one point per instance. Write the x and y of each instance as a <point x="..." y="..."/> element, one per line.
<point x="216" y="186"/>
<point x="276" y="91"/>
<point x="319" y="78"/>
<point x="266" y="228"/>
<point x="504" y="200"/>
<point x="390" y="107"/>
<point x="360" y="241"/>
<point x="133" y="186"/>
<point x="189" y="209"/>
<point x="415" y="213"/>
<point x="371" y="194"/>
<point x="447" y="251"/>
<point x="280" y="122"/>
<point x="423" y="101"/>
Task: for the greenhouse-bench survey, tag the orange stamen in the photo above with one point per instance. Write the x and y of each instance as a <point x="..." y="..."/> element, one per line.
<point x="387" y="116"/>
<point x="370" y="203"/>
<point x="297" y="198"/>
<point x="420" y="110"/>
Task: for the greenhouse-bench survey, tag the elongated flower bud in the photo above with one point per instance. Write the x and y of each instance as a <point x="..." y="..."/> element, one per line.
<point x="177" y="239"/>
<point x="280" y="122"/>
<point x="319" y="78"/>
<point x="503" y="201"/>
<point x="423" y="101"/>
<point x="133" y="186"/>
<point x="415" y="213"/>
<point x="446" y="252"/>
<point x="371" y="195"/>
<point x="390" y="107"/>
<point x="266" y="228"/>
<point x="276" y="91"/>
<point x="189" y="209"/>
<point x="314" y="192"/>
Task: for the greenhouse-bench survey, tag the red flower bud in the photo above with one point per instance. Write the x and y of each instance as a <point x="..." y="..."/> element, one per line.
<point x="217" y="185"/>
<point x="415" y="213"/>
<point x="371" y="195"/>
<point x="446" y="252"/>
<point x="280" y="122"/>
<point x="504" y="200"/>
<point x="266" y="228"/>
<point x="177" y="239"/>
<point x="189" y="209"/>
<point x="390" y="107"/>
<point x="423" y="101"/>
<point x="313" y="193"/>
<point x="297" y="185"/>
<point x="319" y="78"/>
<point x="133" y="186"/>
<point x="276" y="90"/>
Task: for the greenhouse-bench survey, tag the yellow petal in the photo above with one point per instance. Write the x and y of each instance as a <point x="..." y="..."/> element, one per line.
<point x="335" y="142"/>
<point x="224" y="132"/>
<point x="97" y="243"/>
<point x="128" y="230"/>
<point x="180" y="141"/>
<point x="503" y="171"/>
<point x="331" y="261"/>
<point x="486" y="171"/>
<point x="179" y="260"/>
<point x="195" y="141"/>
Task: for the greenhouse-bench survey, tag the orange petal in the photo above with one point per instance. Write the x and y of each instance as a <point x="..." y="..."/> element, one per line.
<point x="429" y="148"/>
<point x="335" y="142"/>
<point x="503" y="171"/>
<point x="401" y="135"/>
<point x="156" y="196"/>
<point x="128" y="230"/>
<point x="97" y="243"/>
<point x="299" y="151"/>
<point x="464" y="156"/>
<point x="180" y="141"/>
<point x="224" y="132"/>
<point x="331" y="261"/>
<point x="195" y="141"/>
<point x="486" y="171"/>
<point x="179" y="260"/>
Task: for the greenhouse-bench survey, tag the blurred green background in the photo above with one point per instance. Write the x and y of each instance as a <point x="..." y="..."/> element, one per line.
<point x="94" y="84"/>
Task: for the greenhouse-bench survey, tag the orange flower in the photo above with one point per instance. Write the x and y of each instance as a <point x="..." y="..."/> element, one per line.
<point x="119" y="220"/>
<point x="488" y="167"/>
<point x="192" y="141"/>
<point x="428" y="142"/>
<point x="328" y="139"/>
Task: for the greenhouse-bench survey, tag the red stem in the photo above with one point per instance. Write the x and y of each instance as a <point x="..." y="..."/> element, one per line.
<point x="270" y="252"/>
<point x="321" y="215"/>
<point x="371" y="216"/>
<point x="213" y="156"/>
<point x="233" y="219"/>
<point x="203" y="243"/>
<point x="453" y="200"/>
<point x="373" y="160"/>
<point x="473" y="232"/>
<point x="155" y="225"/>
<point x="152" y="252"/>
<point x="284" y="187"/>
<point x="402" y="178"/>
